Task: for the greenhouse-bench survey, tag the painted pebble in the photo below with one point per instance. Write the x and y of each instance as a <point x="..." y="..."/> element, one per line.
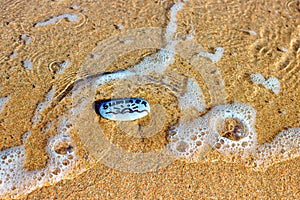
<point x="126" y="109"/>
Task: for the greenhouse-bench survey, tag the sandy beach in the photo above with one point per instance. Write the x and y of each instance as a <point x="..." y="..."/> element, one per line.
<point x="45" y="44"/>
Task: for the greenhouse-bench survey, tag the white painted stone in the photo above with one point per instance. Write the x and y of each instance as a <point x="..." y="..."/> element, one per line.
<point x="126" y="109"/>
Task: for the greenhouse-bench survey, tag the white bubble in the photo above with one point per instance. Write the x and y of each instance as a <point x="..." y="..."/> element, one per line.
<point x="3" y="101"/>
<point x="52" y="20"/>
<point x="193" y="98"/>
<point x="27" y="64"/>
<point x="271" y="84"/>
<point x="43" y="105"/>
<point x="285" y="145"/>
<point x="27" y="39"/>
<point x="237" y="120"/>
<point x="213" y="57"/>
<point x="16" y="180"/>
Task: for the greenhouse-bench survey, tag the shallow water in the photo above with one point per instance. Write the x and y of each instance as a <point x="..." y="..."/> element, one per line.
<point x="222" y="80"/>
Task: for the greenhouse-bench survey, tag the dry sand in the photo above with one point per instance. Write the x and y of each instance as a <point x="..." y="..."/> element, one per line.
<point x="215" y="24"/>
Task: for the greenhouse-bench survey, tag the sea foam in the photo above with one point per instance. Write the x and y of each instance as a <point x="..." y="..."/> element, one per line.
<point x="52" y="20"/>
<point x="3" y="101"/>
<point x="271" y="83"/>
<point x="15" y="180"/>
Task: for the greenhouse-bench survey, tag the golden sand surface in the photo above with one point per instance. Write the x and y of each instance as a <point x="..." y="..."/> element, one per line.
<point x="215" y="24"/>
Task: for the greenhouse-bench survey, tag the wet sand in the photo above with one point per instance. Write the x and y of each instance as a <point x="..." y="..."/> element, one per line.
<point x="180" y="181"/>
<point x="226" y="25"/>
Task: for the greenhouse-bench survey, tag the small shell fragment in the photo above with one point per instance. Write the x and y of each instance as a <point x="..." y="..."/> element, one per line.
<point x="126" y="109"/>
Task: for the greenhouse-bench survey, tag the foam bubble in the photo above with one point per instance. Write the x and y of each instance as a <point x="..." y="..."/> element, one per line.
<point x="271" y="84"/>
<point x="70" y="17"/>
<point x="120" y="26"/>
<point x="41" y="106"/>
<point x="191" y="140"/>
<point x="229" y="129"/>
<point x="113" y="76"/>
<point x="193" y="97"/>
<point x="27" y="64"/>
<point x="285" y="146"/>
<point x="3" y="101"/>
<point x="14" y="54"/>
<point x="94" y="56"/>
<point x="157" y="63"/>
<point x="250" y="32"/>
<point x="63" y="65"/>
<point x="27" y="39"/>
<point x="192" y="34"/>
<point x="213" y="57"/>
<point x="257" y="78"/>
<point x="15" y="180"/>
<point x="25" y="136"/>
<point x="172" y="26"/>
<point x="75" y="7"/>
<point x="234" y="125"/>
